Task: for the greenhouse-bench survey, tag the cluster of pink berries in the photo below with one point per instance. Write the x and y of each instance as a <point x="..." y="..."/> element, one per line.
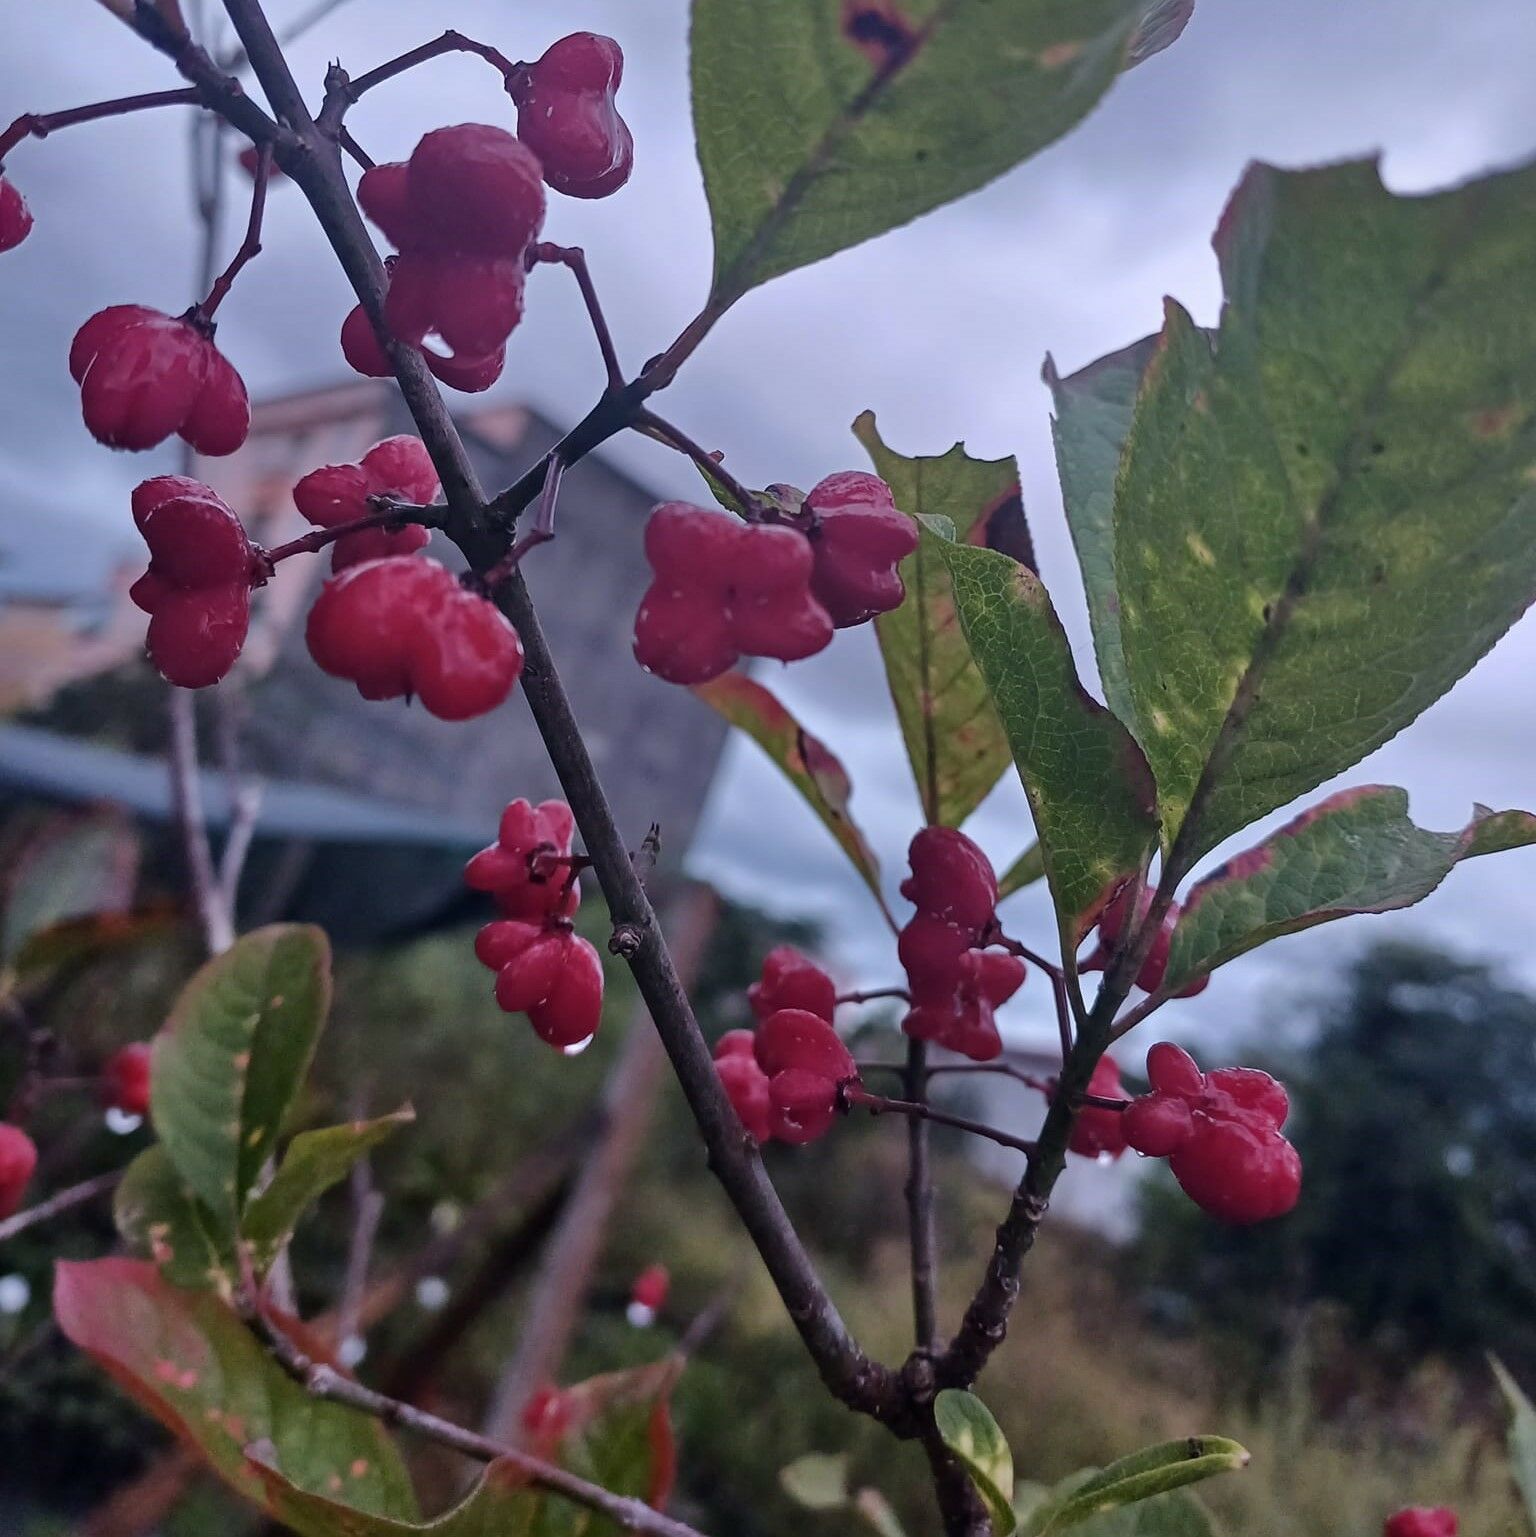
<point x="722" y="589"/>
<point x="784" y="1077"/>
<point x="466" y="206"/>
<point x="1219" y="1131"/>
<point x="544" y="969"/>
<point x="956" y="984"/>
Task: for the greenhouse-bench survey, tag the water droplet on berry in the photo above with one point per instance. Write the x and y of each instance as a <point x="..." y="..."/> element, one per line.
<point x="120" y="1123"/>
<point x="639" y="1315"/>
<point x="576" y="1049"/>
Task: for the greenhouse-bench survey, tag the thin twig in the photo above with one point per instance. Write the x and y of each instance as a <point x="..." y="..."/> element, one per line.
<point x="869" y="995"/>
<point x="326" y="1383"/>
<point x="397" y="516"/>
<point x="540" y="531"/>
<point x="711" y="464"/>
<point x="250" y="246"/>
<point x="878" y="1104"/>
<point x="66" y="1200"/>
<point x="919" y="1194"/>
<point x="38" y="125"/>
<point x="575" y="258"/>
<point x="342" y="92"/>
<point x="187" y="801"/>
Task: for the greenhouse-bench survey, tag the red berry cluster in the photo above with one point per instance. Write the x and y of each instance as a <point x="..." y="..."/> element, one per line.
<point x="1220" y="1133"/>
<point x="567" y="116"/>
<point x="543" y="968"/>
<point x="15" y="216"/>
<point x="405" y="627"/>
<point x="125" y="1079"/>
<point x="1421" y="1521"/>
<point x="722" y="589"/>
<point x="338" y="493"/>
<point x="197" y="590"/>
<point x="1114" y="926"/>
<point x="18" y="1158"/>
<point x="956" y="984"/>
<point x="144" y="375"/>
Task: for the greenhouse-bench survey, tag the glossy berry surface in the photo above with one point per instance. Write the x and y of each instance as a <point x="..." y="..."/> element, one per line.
<point x="651" y="1288"/>
<point x="404" y="627"/>
<point x="461" y="212"/>
<point x="1098" y="1131"/>
<point x="338" y="493"/>
<point x="18" y="1158"/>
<point x="523" y="868"/>
<point x="1220" y="1132"/>
<point x="144" y="376"/>
<point x="791" y="980"/>
<point x="806" y="1062"/>
<point x="197" y="590"/>
<point x="1421" y="1521"/>
<point x="547" y="972"/>
<point x="951" y="879"/>
<point x="567" y="116"/>
<point x="745" y="1083"/>
<point x="963" y="1019"/>
<point x="15" y="216"/>
<point x="721" y="590"/>
<point x="125" y="1079"/>
<point x="859" y="539"/>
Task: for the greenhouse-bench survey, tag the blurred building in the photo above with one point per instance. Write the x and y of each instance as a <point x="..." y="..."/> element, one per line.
<point x="346" y="784"/>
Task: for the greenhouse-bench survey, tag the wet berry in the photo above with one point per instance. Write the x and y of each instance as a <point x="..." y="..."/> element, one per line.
<point x="125" y="1079"/>
<point x="15" y="216"/>
<point x="859" y="539"/>
<point x="527" y="868"/>
<point x="1097" y="1130"/>
<point x="338" y="493"/>
<point x="791" y="980"/>
<point x="567" y="116"/>
<point x="18" y="1158"/>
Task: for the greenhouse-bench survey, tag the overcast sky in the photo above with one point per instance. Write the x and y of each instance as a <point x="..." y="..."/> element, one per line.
<point x="940" y="327"/>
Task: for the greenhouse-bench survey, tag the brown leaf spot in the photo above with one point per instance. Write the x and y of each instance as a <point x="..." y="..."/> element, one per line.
<point x="880" y="32"/>
<point x="1497" y="421"/>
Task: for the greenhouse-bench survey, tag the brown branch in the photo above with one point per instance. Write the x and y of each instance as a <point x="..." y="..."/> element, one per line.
<point x="395" y="517"/>
<point x="919" y="1194"/>
<point x="250" y="246"/>
<point x="315" y="166"/>
<point x="38" y="125"/>
<point x="64" y="1200"/>
<point x="878" y="1104"/>
<point x="869" y="995"/>
<point x="712" y="465"/>
<point x="324" y="1382"/>
<point x="342" y="92"/>
<point x="575" y="259"/>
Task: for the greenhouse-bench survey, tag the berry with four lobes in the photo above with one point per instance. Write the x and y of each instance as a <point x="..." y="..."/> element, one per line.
<point x="651" y="1288"/>
<point x="547" y="972"/>
<point x="723" y="589"/>
<point x="361" y="347"/>
<point x="1220" y="1133"/>
<point x="144" y="376"/>
<point x="1097" y="1131"/>
<point x="951" y="880"/>
<point x="806" y="1063"/>
<point x="125" y="1079"/>
<point x="858" y="538"/>
<point x="404" y="626"/>
<point x="15" y="216"/>
<point x="567" y="116"/>
<point x="461" y="211"/>
<point x="1421" y="1521"/>
<point x="527" y="869"/>
<point x="197" y="590"/>
<point x="338" y="493"/>
<point x="1112" y="928"/>
<point x="791" y="980"/>
<point x="964" y="1020"/>
<point x="745" y="1083"/>
<point x="547" y="1419"/>
<point x="18" y="1158"/>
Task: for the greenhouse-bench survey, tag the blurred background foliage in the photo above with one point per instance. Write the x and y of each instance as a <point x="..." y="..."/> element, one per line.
<point x="1343" y="1346"/>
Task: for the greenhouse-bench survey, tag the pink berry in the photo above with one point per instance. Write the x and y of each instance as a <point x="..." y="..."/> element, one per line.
<point x="574" y="1008"/>
<point x="651" y="1287"/>
<point x="197" y="589"/>
<point x="745" y="1084"/>
<point x="404" y="626"/>
<point x="15" y="216"/>
<point x="1096" y="1130"/>
<point x="18" y="1158"/>
<point x="523" y="869"/>
<point x="859" y="539"/>
<point x="1421" y="1521"/>
<point x="338" y="493"/>
<point x="144" y="376"/>
<point x="361" y="347"/>
<point x="951" y="879"/>
<point x="566" y="115"/>
<point x="791" y="980"/>
<point x="125" y="1079"/>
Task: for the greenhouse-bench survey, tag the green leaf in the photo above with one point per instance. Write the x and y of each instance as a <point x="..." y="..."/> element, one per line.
<point x="818" y="1481"/>
<point x="189" y="1360"/>
<point x="1092" y="422"/>
<point x="804" y="760"/>
<point x="1355" y="852"/>
<point x="1157" y="1470"/>
<point x="1086" y="779"/>
<point x="232" y="1056"/>
<point x="1028" y="868"/>
<point x="1327" y="514"/>
<point x="313" y="1162"/>
<point x="1165" y="1515"/>
<point x="72" y="866"/>
<point x="821" y="123"/>
<point x="161" y="1220"/>
<point x="967" y="1428"/>
<point x="954" y="739"/>
<point x="1521" y="1438"/>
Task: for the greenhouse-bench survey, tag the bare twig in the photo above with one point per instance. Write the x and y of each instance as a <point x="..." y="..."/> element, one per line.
<point x="38" y="125"/>
<point x="395" y="517"/>
<point x="919" y="1194"/>
<point x="187" y="801"/>
<point x="367" y="1210"/>
<point x="878" y="1104"/>
<point x="870" y="995"/>
<point x="250" y="246"/>
<point x="712" y="464"/>
<point x="540" y="531"/>
<point x="65" y="1200"/>
<point x="325" y="1382"/>
<point x="342" y="92"/>
<point x="576" y="259"/>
